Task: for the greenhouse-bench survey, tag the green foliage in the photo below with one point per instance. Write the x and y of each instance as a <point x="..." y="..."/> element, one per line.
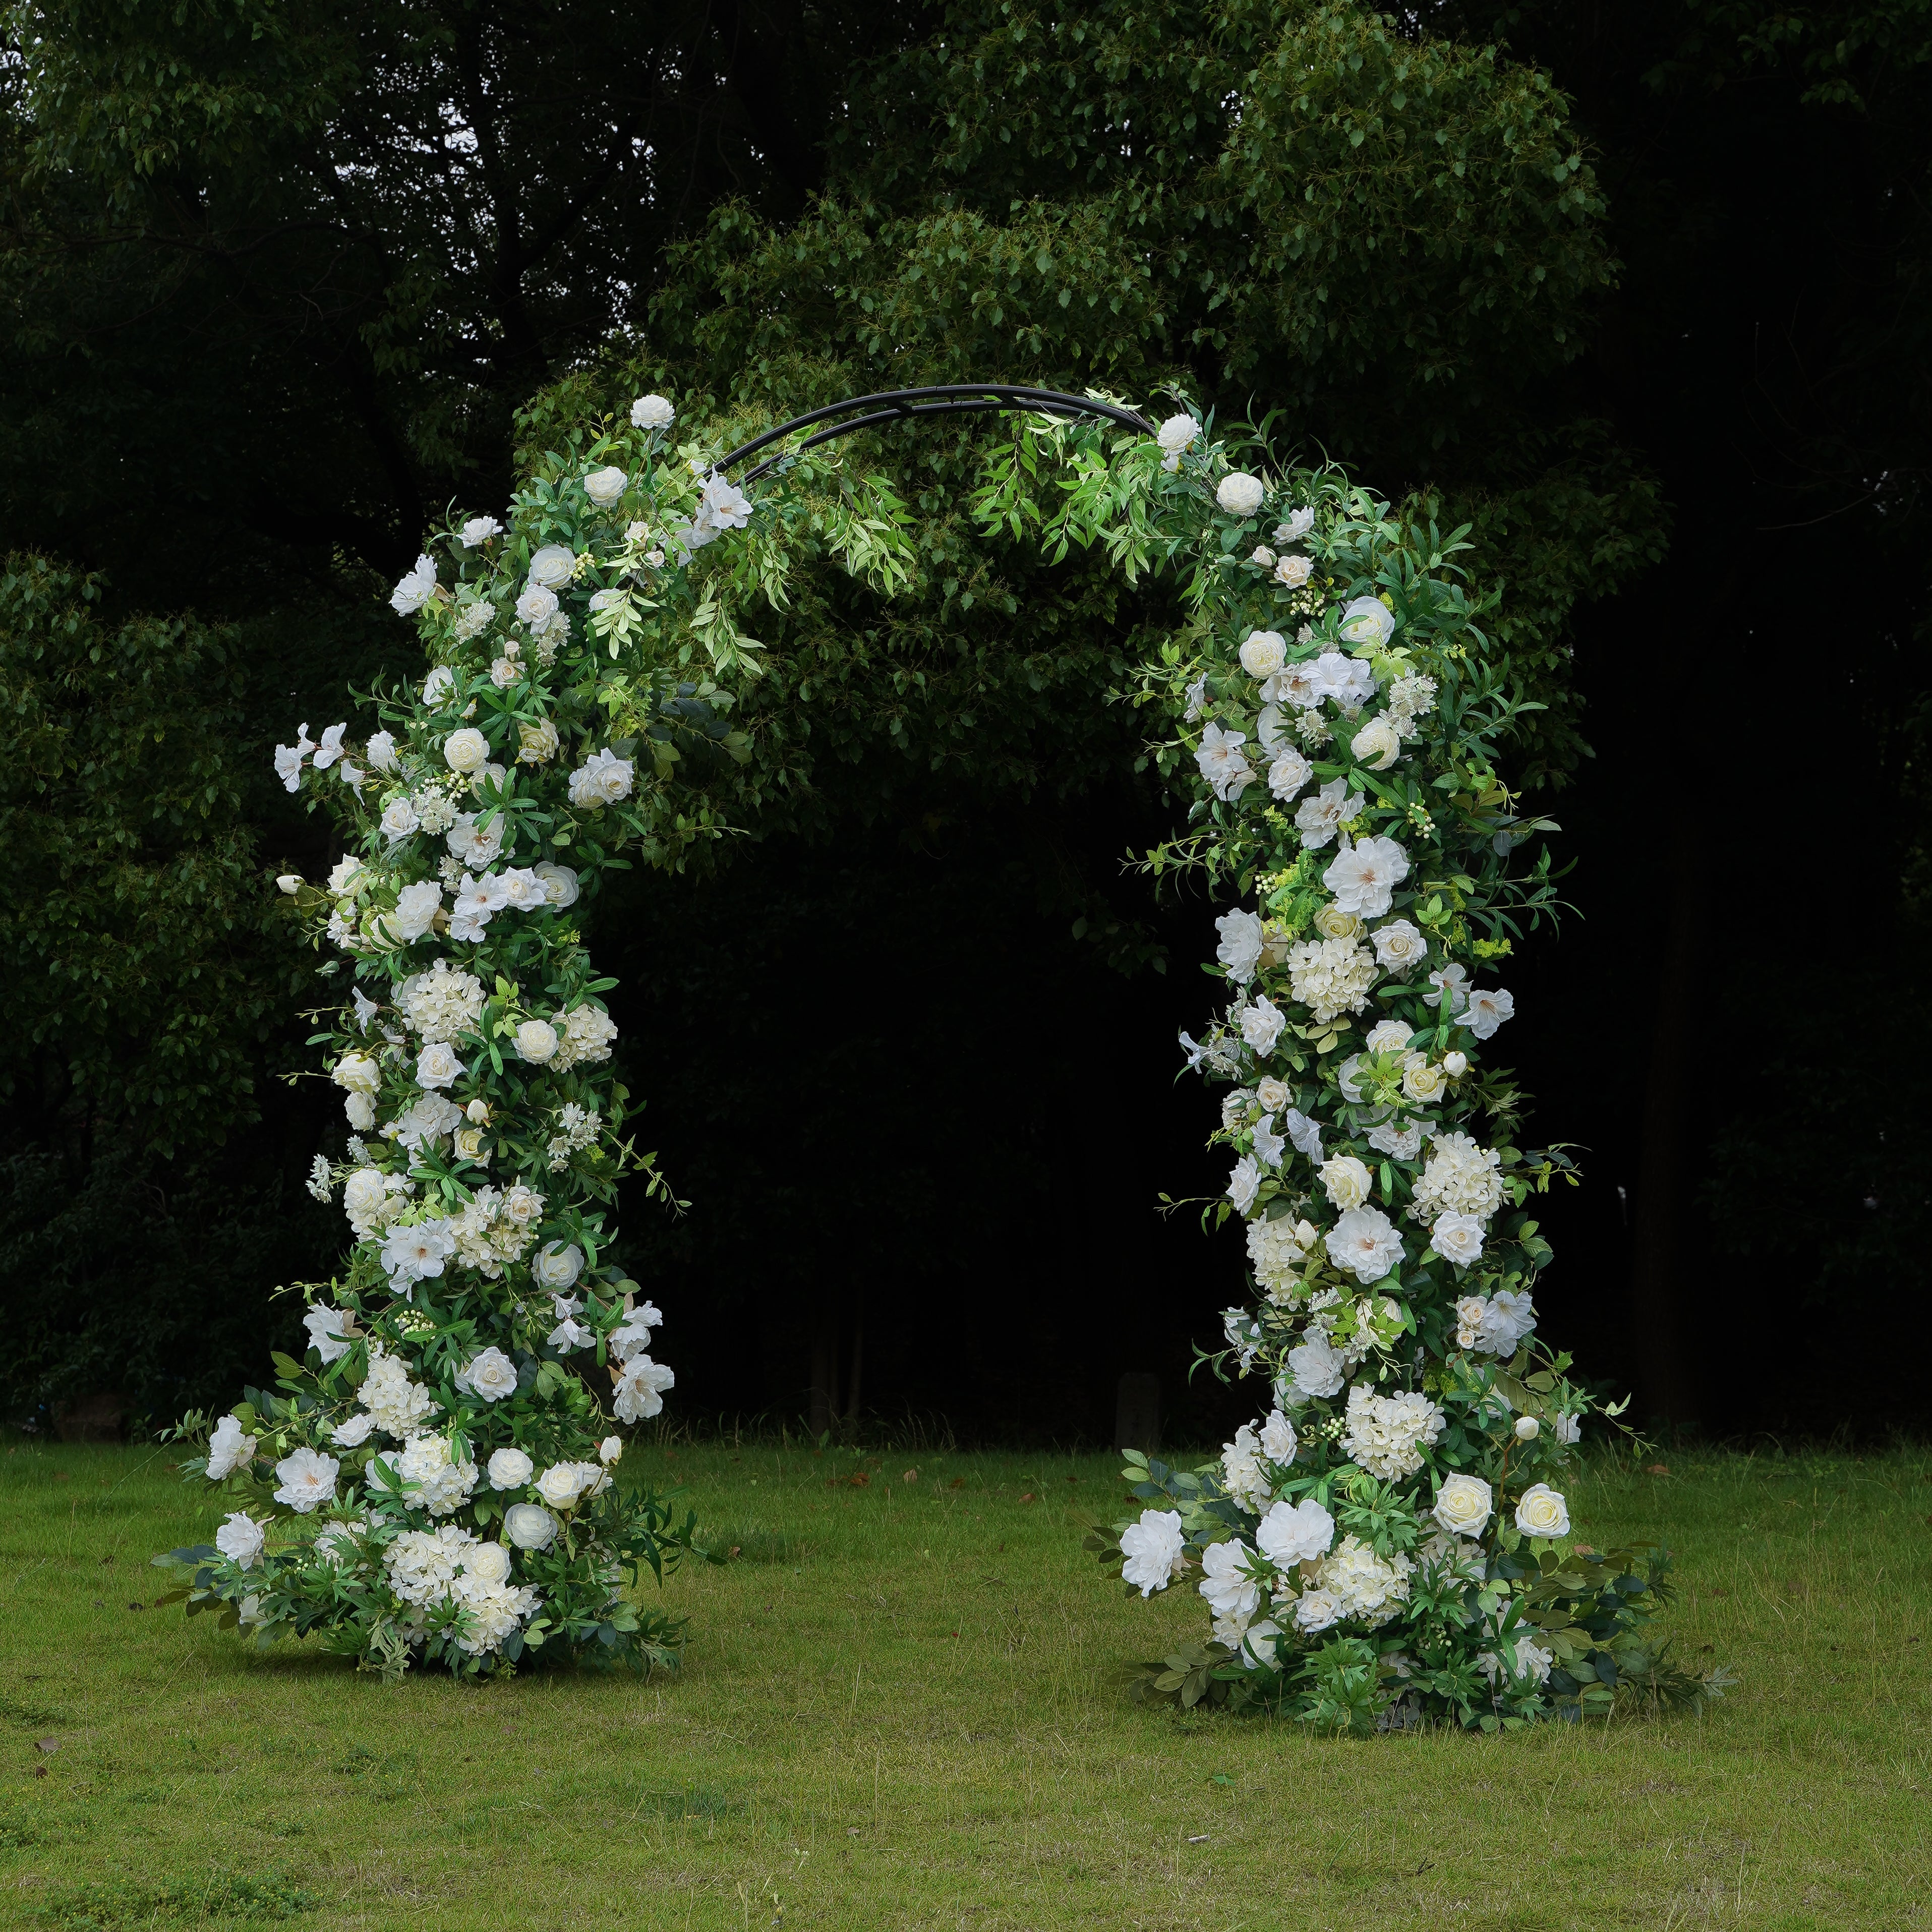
<point x="125" y="1905"/>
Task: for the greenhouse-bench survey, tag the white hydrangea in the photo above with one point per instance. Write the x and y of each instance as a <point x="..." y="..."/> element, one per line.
<point x="421" y="1564"/>
<point x="1386" y="1435"/>
<point x="587" y="1032"/>
<point x="1460" y="1174"/>
<point x="396" y="1404"/>
<point x="1369" y="1589"/>
<point x="1242" y="1475"/>
<point x="442" y="1485"/>
<point x="443" y="1004"/>
<point x="1332" y="977"/>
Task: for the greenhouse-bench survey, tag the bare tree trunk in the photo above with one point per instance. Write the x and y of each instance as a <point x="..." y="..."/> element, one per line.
<point x="858" y="1365"/>
<point x="1665" y="1384"/>
<point x="824" y="1370"/>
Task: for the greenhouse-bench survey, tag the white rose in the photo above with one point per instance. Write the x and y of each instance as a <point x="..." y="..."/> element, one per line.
<point x="466" y="750"/>
<point x="1264" y="654"/>
<point x="604" y="487"/>
<point x="1288" y="773"/>
<point x="536" y="605"/>
<point x="1272" y="1093"/>
<point x="536" y="1042"/>
<point x="360" y="1110"/>
<point x="559" y="883"/>
<point x="480" y="530"/>
<point x="487" y="1564"/>
<point x="1366" y="621"/>
<point x="1527" y="1429"/>
<point x="1541" y="1511"/>
<point x="1455" y="1064"/>
<point x="1240" y="494"/>
<point x="556" y="1266"/>
<point x="1299" y="523"/>
<point x="1376" y="745"/>
<point x="552" y="566"/>
<point x="439" y="688"/>
<point x="437" y="1066"/>
<point x="1457" y="1238"/>
<point x="1422" y="1083"/>
<point x="1176" y="434"/>
<point x="1294" y="571"/>
<point x="1462" y="1505"/>
<point x="399" y="819"/>
<point x="492" y="1374"/>
<point x="529" y="1526"/>
<point x="510" y="1469"/>
<point x="415" y="589"/>
<point x="1398" y="946"/>
<point x="469" y="1145"/>
<point x="1346" y="1180"/>
<point x="289" y="882"/>
<point x="359" y="1073"/>
<point x="651" y="412"/>
<point x="561" y="1485"/>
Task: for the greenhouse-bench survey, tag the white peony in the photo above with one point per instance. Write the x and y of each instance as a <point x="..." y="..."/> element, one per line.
<point x="306" y="1480"/>
<point x="1463" y="1505"/>
<point x="241" y="1539"/>
<point x="1292" y="1533"/>
<point x="1244" y="1184"/>
<point x="1317" y="819"/>
<point x="1230" y="1590"/>
<point x="415" y="589"/>
<point x="1363" y="876"/>
<point x="1364" y="1242"/>
<point x="1264" y="653"/>
<point x="1155" y="1551"/>
<point x="228" y="1448"/>
<point x="1240" y="494"/>
<point x="639" y="1390"/>
<point x="1541" y="1511"/>
<point x="1222" y="764"/>
<point x="1240" y="948"/>
<point x="489" y="1374"/>
<point x="1315" y="1368"/>
<point x="1278" y="1440"/>
<point x="605" y="486"/>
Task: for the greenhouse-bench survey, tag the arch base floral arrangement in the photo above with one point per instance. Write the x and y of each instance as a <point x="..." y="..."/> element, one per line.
<point x="1389" y="1542"/>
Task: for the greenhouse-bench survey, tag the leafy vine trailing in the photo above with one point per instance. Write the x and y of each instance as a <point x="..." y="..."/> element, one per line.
<point x="437" y="1479"/>
<point x="1389" y="1543"/>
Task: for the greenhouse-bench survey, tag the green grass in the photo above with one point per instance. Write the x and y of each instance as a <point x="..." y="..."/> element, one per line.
<point x="903" y="1705"/>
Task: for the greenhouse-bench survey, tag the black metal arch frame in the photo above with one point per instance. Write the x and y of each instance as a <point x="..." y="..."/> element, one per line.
<point x="892" y="406"/>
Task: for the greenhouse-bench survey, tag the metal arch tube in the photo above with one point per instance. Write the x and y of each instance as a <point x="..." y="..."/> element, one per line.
<point x="940" y="399"/>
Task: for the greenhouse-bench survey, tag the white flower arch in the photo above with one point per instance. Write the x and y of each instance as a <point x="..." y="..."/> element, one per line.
<point x="434" y="1481"/>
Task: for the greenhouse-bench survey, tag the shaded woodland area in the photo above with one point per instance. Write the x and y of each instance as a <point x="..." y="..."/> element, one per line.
<point x="279" y="280"/>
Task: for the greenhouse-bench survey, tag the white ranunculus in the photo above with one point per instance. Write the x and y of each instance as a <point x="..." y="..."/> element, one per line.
<point x="228" y="1448"/>
<point x="605" y="486"/>
<point x="552" y="567"/>
<point x="1346" y="1180"/>
<point x="1541" y="1511"/>
<point x="1288" y="774"/>
<point x="556" y="1266"/>
<point x="241" y="1539"/>
<point x="306" y="1480"/>
<point x="480" y="530"/>
<point x="1293" y="571"/>
<point x="651" y="412"/>
<point x="1240" y="948"/>
<point x="1176" y="434"/>
<point x="328" y="1332"/>
<point x="1462" y="1505"/>
<point x="1219" y="757"/>
<point x="536" y="1042"/>
<point x="466" y="750"/>
<point x="491" y="1374"/>
<point x="510" y="1469"/>
<point x="1457" y="1238"/>
<point x="1487" y="1010"/>
<point x="1376" y="745"/>
<point x="1264" y="654"/>
<point x="529" y="1526"/>
<point x="438" y="1066"/>
<point x="1364" y="1241"/>
<point x="1155" y="1551"/>
<point x="1365" y="620"/>
<point x="536" y="605"/>
<point x="415" y="589"/>
<point x="416" y="908"/>
<point x="1240" y="494"/>
<point x="1292" y="1533"/>
<point x="1261" y="1023"/>
<point x="1363" y="876"/>
<point x="1399" y="946"/>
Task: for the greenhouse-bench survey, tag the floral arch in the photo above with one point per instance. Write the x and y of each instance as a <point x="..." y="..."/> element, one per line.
<point x="1389" y="1541"/>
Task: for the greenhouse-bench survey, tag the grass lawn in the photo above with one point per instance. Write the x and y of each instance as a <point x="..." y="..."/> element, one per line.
<point x="903" y="1706"/>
